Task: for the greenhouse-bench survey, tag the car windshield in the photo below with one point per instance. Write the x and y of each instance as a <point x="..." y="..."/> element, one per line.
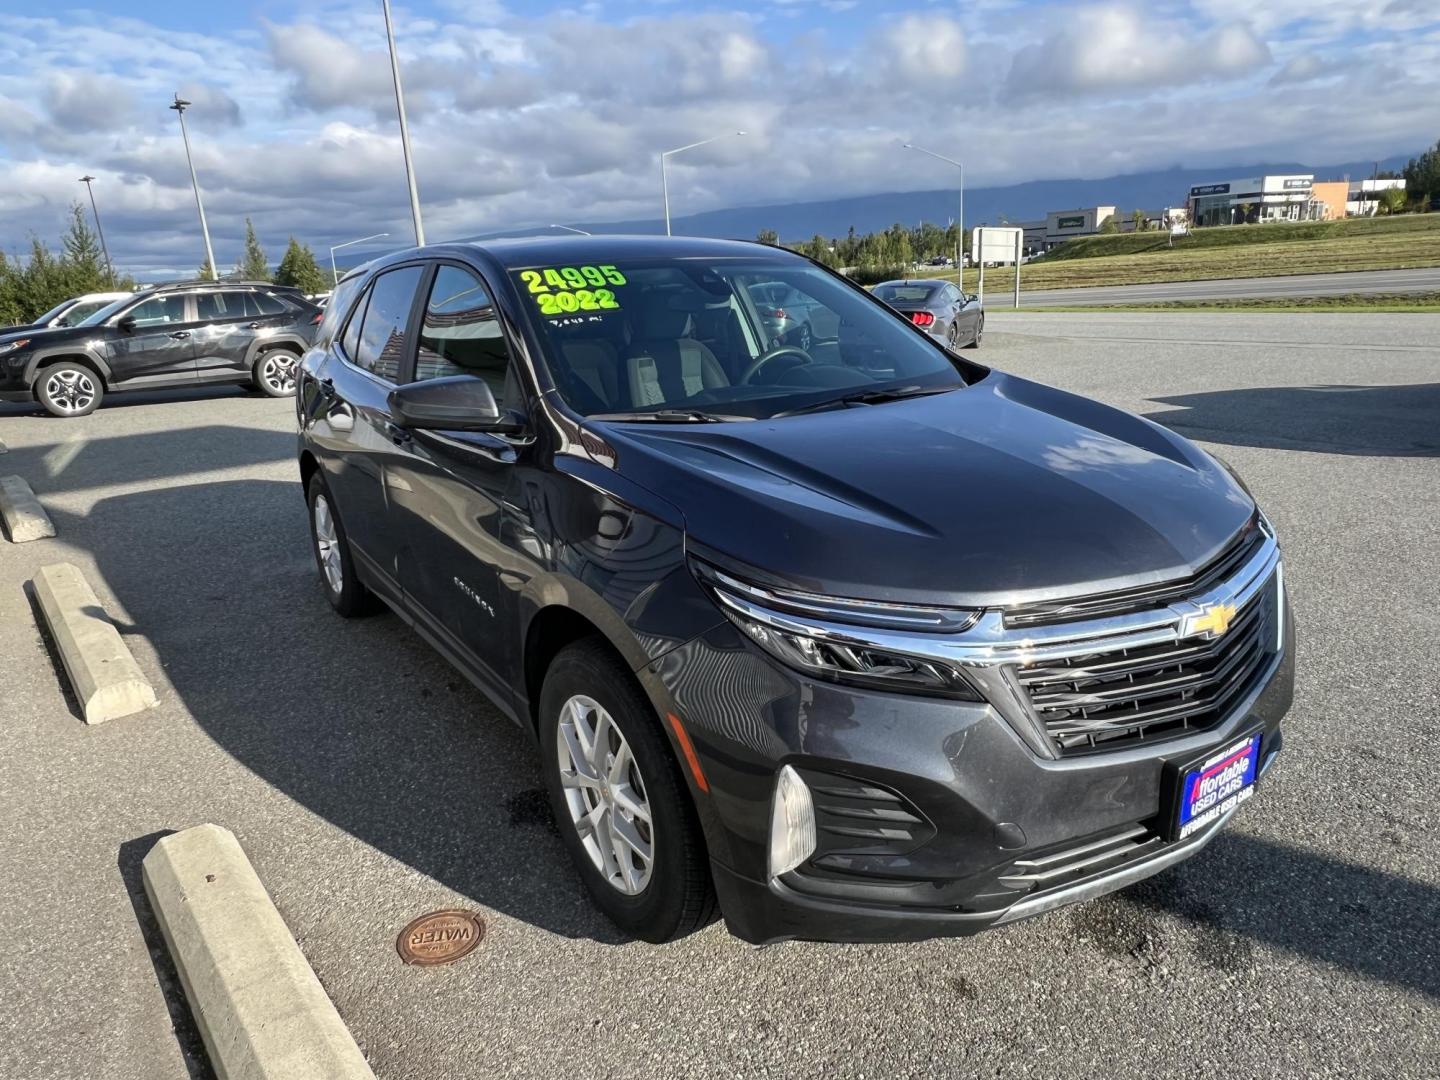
<point x="82" y="311"/>
<point x="56" y="310"/>
<point x="904" y="294"/>
<point x="701" y="337"/>
<point x="105" y="312"/>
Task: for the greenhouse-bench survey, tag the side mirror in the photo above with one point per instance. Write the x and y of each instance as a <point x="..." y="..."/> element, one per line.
<point x="455" y="403"/>
<point x="127" y="324"/>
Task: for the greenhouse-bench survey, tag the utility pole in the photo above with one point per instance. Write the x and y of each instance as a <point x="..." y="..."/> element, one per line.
<point x="180" y="106"/>
<point x="404" y="129"/>
<point x="109" y="266"/>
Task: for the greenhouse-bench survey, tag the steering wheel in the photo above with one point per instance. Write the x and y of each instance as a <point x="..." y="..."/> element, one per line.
<point x="775" y="353"/>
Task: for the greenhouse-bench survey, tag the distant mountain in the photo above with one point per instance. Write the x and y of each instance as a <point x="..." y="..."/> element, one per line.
<point x="1016" y="202"/>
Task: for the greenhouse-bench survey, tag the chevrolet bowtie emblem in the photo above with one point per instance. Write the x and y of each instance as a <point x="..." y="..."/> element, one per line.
<point x="1213" y="621"/>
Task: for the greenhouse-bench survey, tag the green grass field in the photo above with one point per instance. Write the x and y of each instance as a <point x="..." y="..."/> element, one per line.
<point x="1402" y="242"/>
<point x="1427" y="303"/>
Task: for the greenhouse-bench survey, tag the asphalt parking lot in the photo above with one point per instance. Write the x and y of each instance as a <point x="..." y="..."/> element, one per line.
<point x="369" y="783"/>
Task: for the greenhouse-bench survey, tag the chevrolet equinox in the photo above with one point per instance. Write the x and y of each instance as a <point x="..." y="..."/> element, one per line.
<point x="860" y="640"/>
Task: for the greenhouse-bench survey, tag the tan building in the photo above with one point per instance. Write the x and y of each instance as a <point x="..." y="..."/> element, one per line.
<point x="1331" y="195"/>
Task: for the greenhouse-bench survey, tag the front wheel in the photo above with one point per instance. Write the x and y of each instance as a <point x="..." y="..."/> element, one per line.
<point x="68" y="390"/>
<point x="274" y="372"/>
<point x="619" y="798"/>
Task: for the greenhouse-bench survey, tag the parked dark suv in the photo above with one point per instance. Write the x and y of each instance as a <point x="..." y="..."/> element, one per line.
<point x="186" y="334"/>
<point x="865" y="640"/>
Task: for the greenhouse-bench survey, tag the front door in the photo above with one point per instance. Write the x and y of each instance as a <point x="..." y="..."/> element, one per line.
<point x="452" y="491"/>
<point x="159" y="349"/>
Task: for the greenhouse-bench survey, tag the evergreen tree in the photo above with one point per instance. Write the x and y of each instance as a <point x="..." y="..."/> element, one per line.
<point x="768" y="236"/>
<point x="299" y="268"/>
<point x="253" y="266"/>
<point x="1422" y="176"/>
<point x="206" y="271"/>
<point x="9" y="292"/>
<point x="82" y="267"/>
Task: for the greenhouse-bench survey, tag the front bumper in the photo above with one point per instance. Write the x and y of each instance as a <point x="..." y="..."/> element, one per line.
<point x="988" y="805"/>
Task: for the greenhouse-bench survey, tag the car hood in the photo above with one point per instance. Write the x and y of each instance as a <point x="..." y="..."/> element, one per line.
<point x="47" y="333"/>
<point x="1003" y="492"/>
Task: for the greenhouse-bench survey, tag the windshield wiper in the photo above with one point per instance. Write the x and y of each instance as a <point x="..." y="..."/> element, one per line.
<point x="870" y="397"/>
<point x="670" y="416"/>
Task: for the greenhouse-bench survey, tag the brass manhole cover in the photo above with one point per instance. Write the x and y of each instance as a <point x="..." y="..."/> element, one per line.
<point x="440" y="937"/>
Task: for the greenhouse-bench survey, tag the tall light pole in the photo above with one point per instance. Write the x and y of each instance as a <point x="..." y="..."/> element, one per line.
<point x="404" y="128"/>
<point x="334" y="273"/>
<point x="567" y="228"/>
<point x="665" y="180"/>
<point x="180" y="106"/>
<point x="109" y="267"/>
<point x="960" y="247"/>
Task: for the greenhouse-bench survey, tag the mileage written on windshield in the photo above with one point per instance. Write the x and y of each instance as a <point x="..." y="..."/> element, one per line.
<point x="564" y="290"/>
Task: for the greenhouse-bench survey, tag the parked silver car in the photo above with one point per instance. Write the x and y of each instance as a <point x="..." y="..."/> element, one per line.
<point x="785" y="312"/>
<point x="939" y="308"/>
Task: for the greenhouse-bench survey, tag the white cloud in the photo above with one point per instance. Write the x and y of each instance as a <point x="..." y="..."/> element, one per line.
<point x="1306" y="67"/>
<point x="1116" y="48"/>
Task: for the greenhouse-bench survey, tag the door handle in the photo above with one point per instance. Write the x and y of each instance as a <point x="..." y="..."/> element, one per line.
<point x="252" y="326"/>
<point x="181" y="334"/>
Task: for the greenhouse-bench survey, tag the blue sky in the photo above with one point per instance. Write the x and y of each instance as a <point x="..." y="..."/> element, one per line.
<point x="528" y="113"/>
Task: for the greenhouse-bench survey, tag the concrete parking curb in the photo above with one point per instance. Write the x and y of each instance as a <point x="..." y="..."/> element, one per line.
<point x="25" y="518"/>
<point x="260" y="1008"/>
<point x="106" y="680"/>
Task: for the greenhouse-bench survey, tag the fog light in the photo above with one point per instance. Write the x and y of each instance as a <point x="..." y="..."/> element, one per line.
<point x="792" y="823"/>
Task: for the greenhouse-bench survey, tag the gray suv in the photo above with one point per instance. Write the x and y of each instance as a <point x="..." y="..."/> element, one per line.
<point x="165" y="336"/>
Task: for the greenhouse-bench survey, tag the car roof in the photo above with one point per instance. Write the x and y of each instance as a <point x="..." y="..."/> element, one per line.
<point x="102" y="296"/>
<point x="516" y="254"/>
<point x="931" y="282"/>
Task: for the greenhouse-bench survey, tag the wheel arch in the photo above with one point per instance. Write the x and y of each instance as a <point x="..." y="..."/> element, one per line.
<point x="551" y="629"/>
<point x="290" y="342"/>
<point x="83" y="357"/>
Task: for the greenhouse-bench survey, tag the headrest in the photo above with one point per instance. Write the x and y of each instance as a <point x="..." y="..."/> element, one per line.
<point x="662" y="322"/>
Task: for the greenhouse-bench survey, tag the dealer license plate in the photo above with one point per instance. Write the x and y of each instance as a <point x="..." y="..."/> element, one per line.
<point x="1217" y="785"/>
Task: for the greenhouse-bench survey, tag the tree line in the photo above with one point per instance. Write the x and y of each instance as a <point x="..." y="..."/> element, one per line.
<point x="32" y="285"/>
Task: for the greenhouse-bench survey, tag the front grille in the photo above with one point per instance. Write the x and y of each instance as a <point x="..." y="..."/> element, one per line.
<point x="1143" y="597"/>
<point x="1111" y="697"/>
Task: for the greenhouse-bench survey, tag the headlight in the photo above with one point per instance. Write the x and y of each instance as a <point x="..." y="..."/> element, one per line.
<point x="11" y="346"/>
<point x="843" y="640"/>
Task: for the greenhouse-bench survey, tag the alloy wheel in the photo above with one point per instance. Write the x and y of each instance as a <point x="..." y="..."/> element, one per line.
<point x="327" y="543"/>
<point x="70" y="391"/>
<point x="605" y="795"/>
<point x="277" y="370"/>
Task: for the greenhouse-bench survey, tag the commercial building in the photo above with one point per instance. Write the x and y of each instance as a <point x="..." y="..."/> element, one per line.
<point x="1363" y="196"/>
<point x="1330" y="195"/>
<point x="1062" y="225"/>
<point x="1255" y="198"/>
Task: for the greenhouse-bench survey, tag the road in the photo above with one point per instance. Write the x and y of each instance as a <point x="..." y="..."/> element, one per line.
<point x="369" y="783"/>
<point x="1295" y="285"/>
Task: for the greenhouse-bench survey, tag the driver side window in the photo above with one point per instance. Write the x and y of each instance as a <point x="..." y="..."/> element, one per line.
<point x="159" y="310"/>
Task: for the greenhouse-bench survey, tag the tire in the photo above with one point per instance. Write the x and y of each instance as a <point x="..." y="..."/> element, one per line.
<point x="274" y="372"/>
<point x="343" y="588"/>
<point x="979" y="332"/>
<point x="807" y="337"/>
<point x="68" y="390"/>
<point x="672" y="896"/>
<point x="952" y="336"/>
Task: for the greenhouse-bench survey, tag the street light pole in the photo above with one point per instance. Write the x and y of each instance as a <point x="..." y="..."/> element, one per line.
<point x="960" y="248"/>
<point x="334" y="273"/>
<point x="404" y="129"/>
<point x="664" y="178"/>
<point x="180" y="106"/>
<point x="109" y="266"/>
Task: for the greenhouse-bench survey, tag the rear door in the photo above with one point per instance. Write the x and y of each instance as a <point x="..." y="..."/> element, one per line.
<point x="363" y="366"/>
<point x="159" y="349"/>
<point x="228" y="323"/>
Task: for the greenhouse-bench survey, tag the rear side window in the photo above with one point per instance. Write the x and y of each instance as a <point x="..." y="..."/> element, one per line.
<point x="267" y="304"/>
<point x="213" y="306"/>
<point x="336" y="310"/>
<point x="382" y="332"/>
